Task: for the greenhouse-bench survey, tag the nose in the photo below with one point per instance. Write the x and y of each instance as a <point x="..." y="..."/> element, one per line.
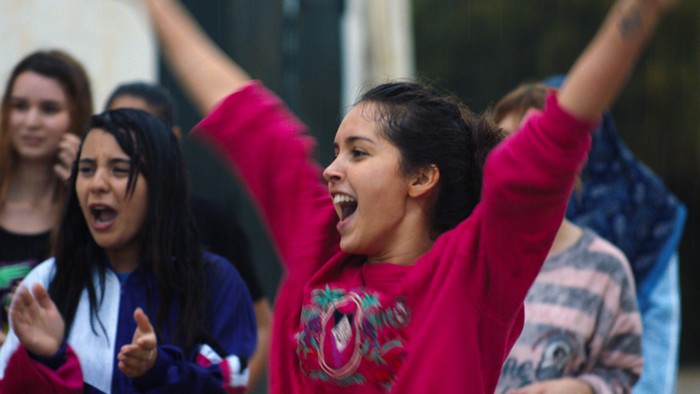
<point x="98" y="182"/>
<point x="33" y="118"/>
<point x="332" y="172"/>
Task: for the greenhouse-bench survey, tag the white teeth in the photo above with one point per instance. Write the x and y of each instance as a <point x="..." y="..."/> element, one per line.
<point x="342" y="198"/>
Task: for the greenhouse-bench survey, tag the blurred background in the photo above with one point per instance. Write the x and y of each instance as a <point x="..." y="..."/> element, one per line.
<point x="318" y="54"/>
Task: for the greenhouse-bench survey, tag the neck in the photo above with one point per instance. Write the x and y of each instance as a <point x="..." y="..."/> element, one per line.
<point x="406" y="255"/>
<point x="124" y="259"/>
<point x="567" y="235"/>
<point x="408" y="243"/>
<point x="31" y="183"/>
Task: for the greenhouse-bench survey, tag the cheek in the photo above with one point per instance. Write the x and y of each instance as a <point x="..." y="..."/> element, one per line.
<point x="59" y="124"/>
<point x="138" y="206"/>
<point x="15" y="122"/>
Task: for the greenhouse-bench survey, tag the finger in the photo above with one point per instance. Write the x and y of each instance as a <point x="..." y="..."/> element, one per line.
<point x="143" y="358"/>
<point x="68" y="149"/>
<point x="66" y="157"/>
<point x="127" y="370"/>
<point x="133" y="366"/>
<point x="70" y="141"/>
<point x="135" y="352"/>
<point x="65" y="160"/>
<point x="42" y="296"/>
<point x="130" y="350"/>
<point x="62" y="172"/>
<point x="22" y="300"/>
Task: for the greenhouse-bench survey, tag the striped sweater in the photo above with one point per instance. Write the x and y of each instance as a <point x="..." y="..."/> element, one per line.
<point x="581" y="320"/>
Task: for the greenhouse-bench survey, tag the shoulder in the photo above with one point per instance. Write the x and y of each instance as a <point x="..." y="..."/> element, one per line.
<point x="220" y="271"/>
<point x="599" y="245"/>
<point x="42" y="273"/>
<point x="608" y="258"/>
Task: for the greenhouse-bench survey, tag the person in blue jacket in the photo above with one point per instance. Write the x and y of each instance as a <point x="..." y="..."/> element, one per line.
<point x="625" y="202"/>
<point x="130" y="302"/>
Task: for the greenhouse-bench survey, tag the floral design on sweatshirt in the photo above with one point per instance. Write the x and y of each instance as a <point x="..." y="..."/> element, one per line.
<point x="352" y="337"/>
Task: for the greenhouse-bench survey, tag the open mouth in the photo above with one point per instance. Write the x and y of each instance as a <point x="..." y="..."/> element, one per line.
<point x="103" y="214"/>
<point x="345" y="205"/>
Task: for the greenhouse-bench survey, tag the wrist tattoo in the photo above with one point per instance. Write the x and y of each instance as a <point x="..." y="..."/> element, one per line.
<point x="631" y="22"/>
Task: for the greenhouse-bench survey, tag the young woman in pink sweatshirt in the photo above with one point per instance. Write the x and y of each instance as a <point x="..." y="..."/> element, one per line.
<point x="405" y="272"/>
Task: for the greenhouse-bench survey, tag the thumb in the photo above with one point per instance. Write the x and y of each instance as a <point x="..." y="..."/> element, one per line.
<point x="142" y="322"/>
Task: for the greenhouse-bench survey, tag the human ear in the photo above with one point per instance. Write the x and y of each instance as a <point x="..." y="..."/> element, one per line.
<point x="424" y="181"/>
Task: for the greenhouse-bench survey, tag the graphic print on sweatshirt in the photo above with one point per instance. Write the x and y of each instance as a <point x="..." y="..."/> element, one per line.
<point x="560" y="351"/>
<point x="352" y="338"/>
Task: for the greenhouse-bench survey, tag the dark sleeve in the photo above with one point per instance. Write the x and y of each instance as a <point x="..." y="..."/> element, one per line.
<point x="222" y="234"/>
<point x="219" y="364"/>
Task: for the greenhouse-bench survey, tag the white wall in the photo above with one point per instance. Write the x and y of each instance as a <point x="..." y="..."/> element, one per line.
<point x="111" y="38"/>
<point x="377" y="45"/>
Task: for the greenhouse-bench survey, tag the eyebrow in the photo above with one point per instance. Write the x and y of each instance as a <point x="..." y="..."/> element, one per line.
<point x="41" y="100"/>
<point x="355" y="138"/>
<point x="116" y="160"/>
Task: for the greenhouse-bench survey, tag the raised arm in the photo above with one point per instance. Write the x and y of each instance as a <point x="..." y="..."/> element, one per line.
<point x="206" y="72"/>
<point x="602" y="69"/>
<point x="255" y="132"/>
<point x="529" y="178"/>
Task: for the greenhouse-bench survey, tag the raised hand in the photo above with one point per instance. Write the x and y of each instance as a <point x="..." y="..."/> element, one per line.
<point x="67" y="153"/>
<point x="139" y="357"/>
<point x="602" y="69"/>
<point x="36" y="321"/>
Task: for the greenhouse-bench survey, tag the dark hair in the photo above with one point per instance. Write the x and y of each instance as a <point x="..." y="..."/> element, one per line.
<point x="430" y="128"/>
<point x="154" y="95"/>
<point x="72" y="78"/>
<point x="170" y="248"/>
<point x="520" y="99"/>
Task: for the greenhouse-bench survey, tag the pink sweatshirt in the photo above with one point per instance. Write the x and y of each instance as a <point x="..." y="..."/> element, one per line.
<point x="444" y="324"/>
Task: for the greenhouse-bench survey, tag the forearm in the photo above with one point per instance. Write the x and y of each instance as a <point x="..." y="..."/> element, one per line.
<point x="206" y="73"/>
<point x="263" y="128"/>
<point x="25" y="374"/>
<point x="258" y="361"/>
<point x="600" y="72"/>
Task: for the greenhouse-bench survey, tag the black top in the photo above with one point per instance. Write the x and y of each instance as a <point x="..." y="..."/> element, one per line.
<point x="222" y="234"/>
<point x="19" y="253"/>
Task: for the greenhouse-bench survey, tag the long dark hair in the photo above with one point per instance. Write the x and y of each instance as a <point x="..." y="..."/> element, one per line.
<point x="431" y="128"/>
<point x="170" y="250"/>
<point x="157" y="97"/>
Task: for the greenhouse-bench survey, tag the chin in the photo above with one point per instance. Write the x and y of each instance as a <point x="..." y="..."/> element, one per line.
<point x="350" y="248"/>
<point x="346" y="247"/>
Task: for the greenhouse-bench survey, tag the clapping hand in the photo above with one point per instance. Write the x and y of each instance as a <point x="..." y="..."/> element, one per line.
<point x="36" y="321"/>
<point x="138" y="357"/>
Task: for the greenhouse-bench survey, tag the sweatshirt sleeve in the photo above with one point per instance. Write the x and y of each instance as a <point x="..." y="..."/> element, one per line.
<point x="266" y="145"/>
<point x="527" y="182"/>
<point x="220" y="364"/>
<point x="60" y="374"/>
